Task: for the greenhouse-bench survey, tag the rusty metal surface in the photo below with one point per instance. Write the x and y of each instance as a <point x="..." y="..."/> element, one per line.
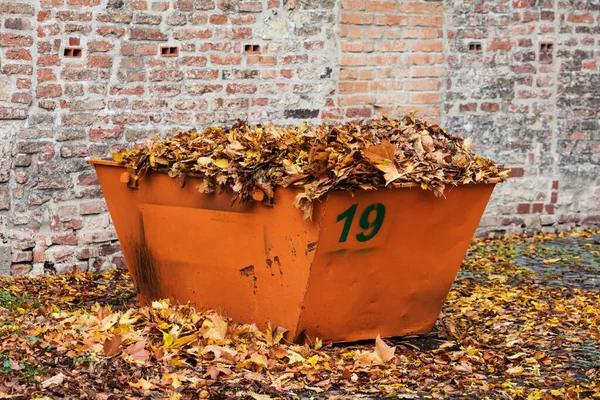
<point x="378" y="262"/>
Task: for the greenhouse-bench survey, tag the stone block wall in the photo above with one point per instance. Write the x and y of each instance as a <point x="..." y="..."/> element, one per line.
<point x="81" y="78"/>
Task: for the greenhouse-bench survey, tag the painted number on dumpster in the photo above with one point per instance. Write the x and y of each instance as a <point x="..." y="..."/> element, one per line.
<point x="370" y="221"/>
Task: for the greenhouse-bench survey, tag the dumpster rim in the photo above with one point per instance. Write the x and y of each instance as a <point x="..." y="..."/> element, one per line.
<point x="110" y="163"/>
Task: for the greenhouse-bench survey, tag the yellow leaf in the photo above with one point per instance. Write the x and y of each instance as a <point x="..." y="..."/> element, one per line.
<point x="182" y="341"/>
<point x="318" y="344"/>
<point x="167" y="339"/>
<point x="175" y="381"/>
<point x="313" y="360"/>
<point x="259" y="359"/>
<point x="221" y="163"/>
<point x="126" y="318"/>
<point x="118" y="157"/>
<point x="141" y="384"/>
<point x="552" y="261"/>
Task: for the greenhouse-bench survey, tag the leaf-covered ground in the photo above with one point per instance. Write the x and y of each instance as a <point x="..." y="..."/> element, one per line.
<point x="522" y="321"/>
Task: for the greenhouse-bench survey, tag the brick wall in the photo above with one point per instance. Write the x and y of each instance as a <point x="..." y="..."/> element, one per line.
<point x="530" y="97"/>
<point x="80" y="78"/>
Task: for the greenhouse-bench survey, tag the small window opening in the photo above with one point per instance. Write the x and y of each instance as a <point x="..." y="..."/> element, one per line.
<point x="475" y="47"/>
<point x="72" y="52"/>
<point x="546" y="46"/>
<point x="252" y="48"/>
<point x="169" y="51"/>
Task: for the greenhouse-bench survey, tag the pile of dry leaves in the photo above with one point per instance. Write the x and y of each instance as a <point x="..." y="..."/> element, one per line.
<point x="253" y="160"/>
<point x="503" y="333"/>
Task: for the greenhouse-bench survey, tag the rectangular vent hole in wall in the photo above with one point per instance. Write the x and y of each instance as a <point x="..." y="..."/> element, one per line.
<point x="475" y="47"/>
<point x="546" y="46"/>
<point x="72" y="52"/>
<point x="169" y="51"/>
<point x="252" y="48"/>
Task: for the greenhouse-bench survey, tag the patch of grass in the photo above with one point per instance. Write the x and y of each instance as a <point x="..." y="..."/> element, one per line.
<point x="30" y="372"/>
<point x="9" y="301"/>
<point x="84" y="360"/>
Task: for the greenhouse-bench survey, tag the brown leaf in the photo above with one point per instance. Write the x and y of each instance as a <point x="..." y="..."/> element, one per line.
<point x="138" y="351"/>
<point x="112" y="346"/>
<point x="464" y="368"/>
<point x="384" y="352"/>
<point x="382" y="156"/>
<point x="214" y="371"/>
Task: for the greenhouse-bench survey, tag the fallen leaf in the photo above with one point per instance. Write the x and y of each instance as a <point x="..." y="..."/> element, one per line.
<point x="112" y="346"/>
<point x="518" y="370"/>
<point x="218" y="331"/>
<point x="138" y="351"/>
<point x="384" y="352"/>
<point x="55" y="380"/>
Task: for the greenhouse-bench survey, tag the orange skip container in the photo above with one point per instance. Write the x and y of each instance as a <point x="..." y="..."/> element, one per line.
<point x="370" y="262"/>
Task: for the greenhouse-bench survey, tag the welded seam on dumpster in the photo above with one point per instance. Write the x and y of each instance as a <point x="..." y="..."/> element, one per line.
<point x="314" y="256"/>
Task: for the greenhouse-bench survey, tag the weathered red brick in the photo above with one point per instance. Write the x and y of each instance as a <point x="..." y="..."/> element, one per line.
<point x="83" y="3"/>
<point x="148" y="34"/>
<point x="426" y="20"/>
<point x="115" y="17"/>
<point x="14" y="40"/>
<point x="235" y="88"/>
<point x="516" y="172"/>
<point x="99" y="61"/>
<point x="578" y="18"/>
<point x="22" y="7"/>
<point x="359" y="112"/>
<point x="225" y="60"/>
<point x="105" y="134"/>
<point x="503" y="45"/>
<point x="20" y="269"/>
<point x="18" y="54"/>
<point x="524" y="3"/>
<point x="252" y="6"/>
<point x="490" y="107"/>
<point x="100" y="46"/>
<point x="68" y="239"/>
<point x="21" y="98"/>
<point x="188" y="34"/>
<point x="51" y="90"/>
<point x="48" y="60"/>
<point x="537" y="208"/>
<point x="469" y="107"/>
<point x="218" y="19"/>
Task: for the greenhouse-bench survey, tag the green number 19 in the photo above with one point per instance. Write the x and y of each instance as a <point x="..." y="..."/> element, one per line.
<point x="370" y="225"/>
